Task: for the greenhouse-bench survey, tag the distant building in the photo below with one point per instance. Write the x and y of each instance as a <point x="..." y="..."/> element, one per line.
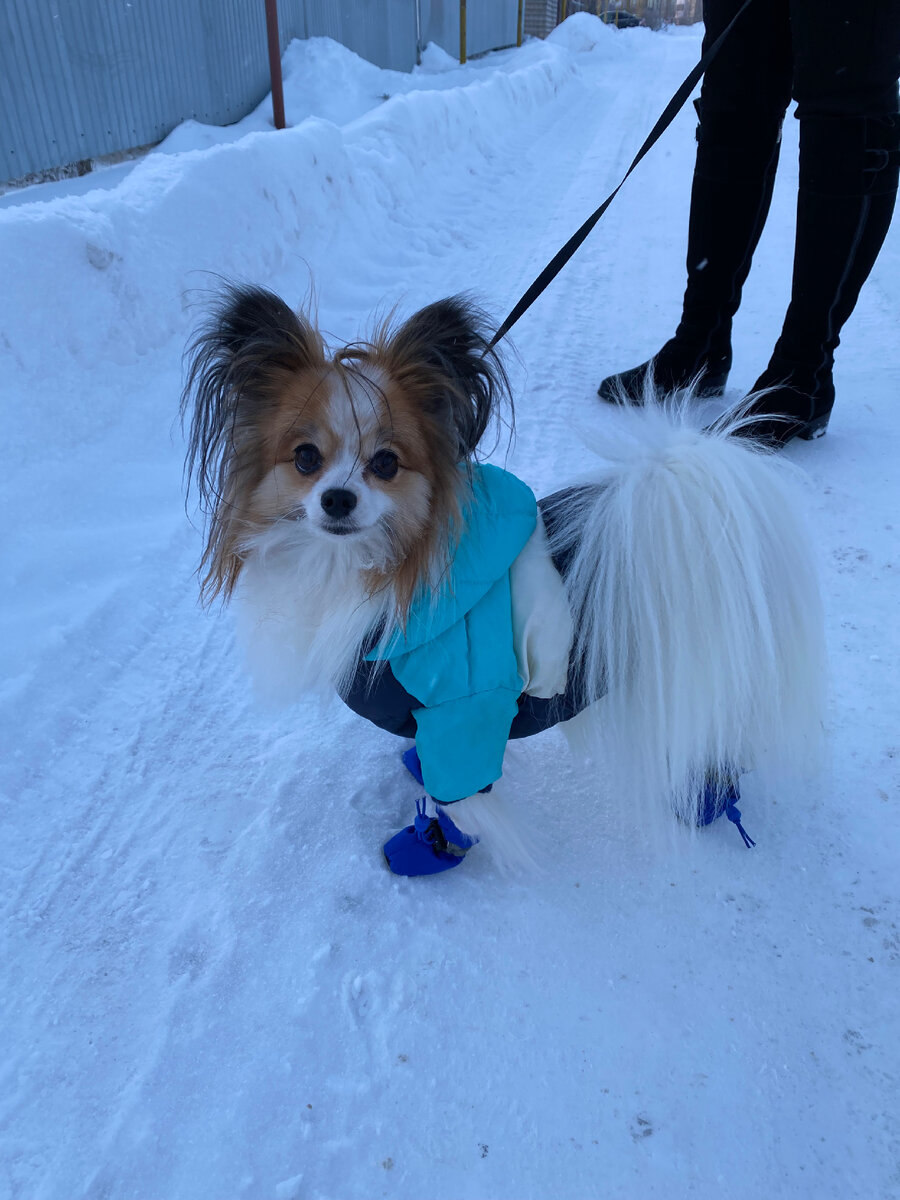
<point x="540" y="17"/>
<point x="543" y="15"/>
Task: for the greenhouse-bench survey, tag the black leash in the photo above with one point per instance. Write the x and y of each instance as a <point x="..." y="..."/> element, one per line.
<point x="559" y="260"/>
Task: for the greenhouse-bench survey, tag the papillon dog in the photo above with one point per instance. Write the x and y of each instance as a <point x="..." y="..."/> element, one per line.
<point x="665" y="602"/>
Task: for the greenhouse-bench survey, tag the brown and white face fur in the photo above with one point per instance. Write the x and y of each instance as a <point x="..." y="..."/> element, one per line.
<point x="349" y="459"/>
<point x="356" y="458"/>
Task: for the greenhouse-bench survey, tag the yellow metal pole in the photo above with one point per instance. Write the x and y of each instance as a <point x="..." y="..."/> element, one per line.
<point x="462" y="31"/>
<point x="519" y="23"/>
<point x="564" y="6"/>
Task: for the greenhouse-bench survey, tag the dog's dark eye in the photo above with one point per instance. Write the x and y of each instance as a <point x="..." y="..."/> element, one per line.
<point x="384" y="464"/>
<point x="307" y="458"/>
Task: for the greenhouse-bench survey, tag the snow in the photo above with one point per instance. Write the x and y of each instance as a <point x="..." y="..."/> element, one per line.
<point x="212" y="988"/>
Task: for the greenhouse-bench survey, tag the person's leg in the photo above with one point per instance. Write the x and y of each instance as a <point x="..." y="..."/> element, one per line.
<point x="741" y="108"/>
<point x="847" y="60"/>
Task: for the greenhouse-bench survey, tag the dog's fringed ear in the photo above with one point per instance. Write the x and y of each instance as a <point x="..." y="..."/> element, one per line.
<point x="447" y="343"/>
<point x="249" y="341"/>
<point x="235" y="365"/>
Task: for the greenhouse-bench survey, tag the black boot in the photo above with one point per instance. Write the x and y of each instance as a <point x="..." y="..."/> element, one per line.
<point x="737" y="154"/>
<point x="848" y="184"/>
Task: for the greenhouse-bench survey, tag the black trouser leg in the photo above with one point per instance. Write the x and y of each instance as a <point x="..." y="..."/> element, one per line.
<point x="743" y="100"/>
<point x="846" y="88"/>
<point x="843" y="215"/>
<point x="737" y="156"/>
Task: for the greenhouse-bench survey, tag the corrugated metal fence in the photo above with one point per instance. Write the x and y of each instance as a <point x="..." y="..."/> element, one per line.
<point x="84" y="78"/>
<point x="489" y="24"/>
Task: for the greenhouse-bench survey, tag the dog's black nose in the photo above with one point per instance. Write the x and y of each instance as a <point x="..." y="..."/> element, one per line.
<point x="338" y="503"/>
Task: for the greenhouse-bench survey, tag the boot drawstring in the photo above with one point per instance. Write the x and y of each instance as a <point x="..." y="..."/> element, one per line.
<point x="733" y="813"/>
<point x="424" y="825"/>
<point x="428" y="830"/>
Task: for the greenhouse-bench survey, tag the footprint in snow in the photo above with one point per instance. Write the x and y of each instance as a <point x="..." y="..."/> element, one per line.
<point x="359" y="994"/>
<point x="373" y="1002"/>
<point x="641" y="1128"/>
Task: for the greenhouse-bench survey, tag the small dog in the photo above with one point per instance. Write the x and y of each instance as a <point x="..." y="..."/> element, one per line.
<point x="670" y="597"/>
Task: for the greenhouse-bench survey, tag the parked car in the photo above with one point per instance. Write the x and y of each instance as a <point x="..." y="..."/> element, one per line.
<point x="621" y="19"/>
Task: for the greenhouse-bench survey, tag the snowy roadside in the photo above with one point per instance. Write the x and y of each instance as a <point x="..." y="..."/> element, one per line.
<point x="212" y="988"/>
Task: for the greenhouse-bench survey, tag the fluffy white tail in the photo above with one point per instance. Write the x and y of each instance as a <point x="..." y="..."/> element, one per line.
<point x="695" y="592"/>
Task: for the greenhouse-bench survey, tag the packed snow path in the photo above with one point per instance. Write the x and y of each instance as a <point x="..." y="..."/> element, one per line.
<point x="212" y="987"/>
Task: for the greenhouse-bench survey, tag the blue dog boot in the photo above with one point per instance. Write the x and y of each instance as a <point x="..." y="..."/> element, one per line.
<point x="412" y="764"/>
<point x="428" y="846"/>
<point x="454" y="835"/>
<point x="721" y="796"/>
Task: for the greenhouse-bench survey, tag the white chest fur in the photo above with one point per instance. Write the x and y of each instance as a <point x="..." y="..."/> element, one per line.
<point x="303" y="614"/>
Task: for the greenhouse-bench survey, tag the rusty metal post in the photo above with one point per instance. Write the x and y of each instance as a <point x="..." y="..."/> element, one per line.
<point x="519" y="23"/>
<point x="275" y="63"/>
<point x="462" y="31"/>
